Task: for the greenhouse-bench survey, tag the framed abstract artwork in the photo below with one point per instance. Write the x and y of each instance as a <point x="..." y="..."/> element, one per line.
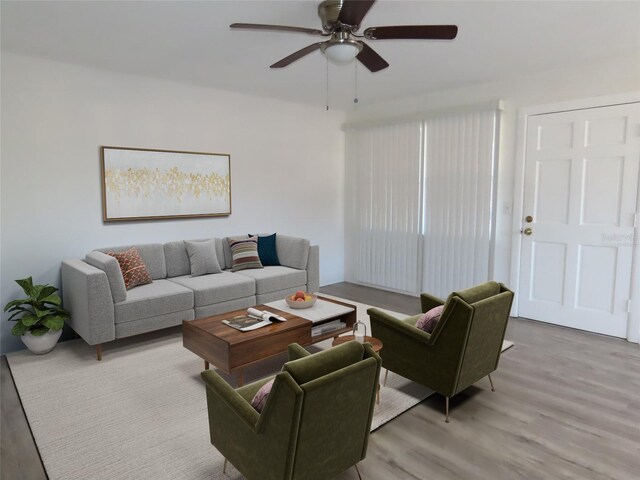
<point x="142" y="184"/>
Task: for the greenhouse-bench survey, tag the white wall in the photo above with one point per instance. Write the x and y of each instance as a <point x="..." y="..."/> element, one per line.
<point x="618" y="75"/>
<point x="287" y="163"/>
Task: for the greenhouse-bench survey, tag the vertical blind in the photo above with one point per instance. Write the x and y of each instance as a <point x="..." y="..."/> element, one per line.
<point x="383" y="200"/>
<point x="420" y="203"/>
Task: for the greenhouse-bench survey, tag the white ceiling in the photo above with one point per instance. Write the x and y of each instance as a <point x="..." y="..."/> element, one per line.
<point x="191" y="42"/>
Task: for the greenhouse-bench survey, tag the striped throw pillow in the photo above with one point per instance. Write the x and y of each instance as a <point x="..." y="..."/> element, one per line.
<point x="133" y="269"/>
<point x="244" y="251"/>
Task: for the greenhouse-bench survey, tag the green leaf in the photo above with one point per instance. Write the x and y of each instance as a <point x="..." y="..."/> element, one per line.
<point x="30" y="319"/>
<point x="52" y="299"/>
<point x="38" y="332"/>
<point x="19" y="312"/>
<point x="43" y="312"/>
<point x="26" y="284"/>
<point x="54" y="322"/>
<point x="35" y="292"/>
<point x="46" y="291"/>
<point x="19" y="328"/>
<point x="15" y="303"/>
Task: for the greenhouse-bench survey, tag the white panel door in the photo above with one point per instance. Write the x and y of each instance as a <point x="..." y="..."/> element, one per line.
<point x="581" y="189"/>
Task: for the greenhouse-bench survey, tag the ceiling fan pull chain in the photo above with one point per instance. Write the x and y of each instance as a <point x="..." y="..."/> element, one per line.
<point x="327" y="83"/>
<point x="355" y="97"/>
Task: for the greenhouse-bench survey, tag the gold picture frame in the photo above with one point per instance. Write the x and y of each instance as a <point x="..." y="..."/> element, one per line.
<point x="148" y="184"/>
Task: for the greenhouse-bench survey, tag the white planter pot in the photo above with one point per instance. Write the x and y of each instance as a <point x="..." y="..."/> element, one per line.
<point x="43" y="343"/>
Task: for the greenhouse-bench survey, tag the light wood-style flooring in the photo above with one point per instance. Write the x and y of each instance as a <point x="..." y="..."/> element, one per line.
<point x="566" y="406"/>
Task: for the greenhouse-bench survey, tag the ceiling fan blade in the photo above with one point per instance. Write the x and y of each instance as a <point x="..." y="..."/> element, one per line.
<point x="353" y="11"/>
<point x="297" y="55"/>
<point x="416" y="32"/>
<point x="370" y="59"/>
<point x="279" y="28"/>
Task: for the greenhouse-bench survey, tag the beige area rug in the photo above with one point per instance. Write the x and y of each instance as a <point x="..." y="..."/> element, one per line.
<point x="141" y="412"/>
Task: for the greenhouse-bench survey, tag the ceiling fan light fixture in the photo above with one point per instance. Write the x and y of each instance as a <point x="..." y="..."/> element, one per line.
<point x="342" y="52"/>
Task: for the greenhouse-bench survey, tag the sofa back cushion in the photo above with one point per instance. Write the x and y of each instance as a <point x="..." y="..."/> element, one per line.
<point x="152" y="255"/>
<point x="177" y="257"/>
<point x="292" y="251"/>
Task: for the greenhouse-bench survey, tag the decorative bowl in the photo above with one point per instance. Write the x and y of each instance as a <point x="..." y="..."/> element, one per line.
<point x="305" y="304"/>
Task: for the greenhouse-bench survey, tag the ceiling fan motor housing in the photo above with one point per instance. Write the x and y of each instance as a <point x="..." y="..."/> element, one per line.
<point x="328" y="11"/>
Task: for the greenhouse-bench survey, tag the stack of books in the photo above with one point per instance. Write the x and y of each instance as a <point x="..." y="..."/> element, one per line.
<point x="327" y="327"/>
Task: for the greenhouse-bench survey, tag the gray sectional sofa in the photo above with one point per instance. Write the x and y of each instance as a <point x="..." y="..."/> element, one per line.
<point x="103" y="310"/>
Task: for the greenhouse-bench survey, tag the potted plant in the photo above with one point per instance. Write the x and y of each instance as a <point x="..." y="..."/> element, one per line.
<point x="39" y="317"/>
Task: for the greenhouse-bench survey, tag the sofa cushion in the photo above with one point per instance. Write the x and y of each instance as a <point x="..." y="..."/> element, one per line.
<point x="158" y="298"/>
<point x="267" y="250"/>
<point x="271" y="279"/>
<point x="292" y="252"/>
<point x="210" y="289"/>
<point x="244" y="251"/>
<point x="202" y="257"/>
<point x="177" y="257"/>
<point x="260" y="399"/>
<point x="111" y="267"/>
<point x="152" y="255"/>
<point x="430" y="319"/>
<point x="134" y="271"/>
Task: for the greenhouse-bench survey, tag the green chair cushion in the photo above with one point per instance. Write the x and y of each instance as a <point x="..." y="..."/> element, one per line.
<point x="412" y="320"/>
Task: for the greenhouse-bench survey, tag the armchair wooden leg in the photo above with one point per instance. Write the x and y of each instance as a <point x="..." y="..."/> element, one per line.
<point x="224" y="467"/>
<point x="446" y="409"/>
<point x="385" y="377"/>
<point x="99" y="352"/>
<point x="358" y="471"/>
<point x="491" y="381"/>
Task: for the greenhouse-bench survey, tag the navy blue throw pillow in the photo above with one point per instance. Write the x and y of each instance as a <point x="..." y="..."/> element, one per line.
<point x="267" y="250"/>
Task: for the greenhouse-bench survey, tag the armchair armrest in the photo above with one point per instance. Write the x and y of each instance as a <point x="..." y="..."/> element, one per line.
<point x="237" y="406"/>
<point x="428" y="302"/>
<point x="296" y="352"/>
<point x="378" y="316"/>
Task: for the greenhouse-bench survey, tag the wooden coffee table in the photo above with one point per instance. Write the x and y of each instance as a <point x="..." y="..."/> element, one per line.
<point x="231" y="350"/>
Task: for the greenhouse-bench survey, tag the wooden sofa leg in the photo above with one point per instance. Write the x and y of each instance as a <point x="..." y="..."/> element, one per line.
<point x="99" y="352"/>
<point x="358" y="471"/>
<point x="446" y="409"/>
<point x="491" y="381"/>
<point x="224" y="468"/>
<point x="385" y="377"/>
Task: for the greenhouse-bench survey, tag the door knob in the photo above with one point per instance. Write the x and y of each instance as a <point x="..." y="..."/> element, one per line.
<point x="527" y="231"/>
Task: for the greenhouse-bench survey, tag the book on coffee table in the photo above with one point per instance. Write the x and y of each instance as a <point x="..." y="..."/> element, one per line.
<point x="245" y="323"/>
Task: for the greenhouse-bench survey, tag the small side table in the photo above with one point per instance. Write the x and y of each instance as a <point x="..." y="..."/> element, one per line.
<point x="376" y="345"/>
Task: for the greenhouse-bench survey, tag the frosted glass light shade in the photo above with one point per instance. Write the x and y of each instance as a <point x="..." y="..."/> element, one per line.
<point x="341" y="53"/>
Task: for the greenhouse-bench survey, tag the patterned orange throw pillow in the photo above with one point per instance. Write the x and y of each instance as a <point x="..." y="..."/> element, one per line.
<point x="132" y="267"/>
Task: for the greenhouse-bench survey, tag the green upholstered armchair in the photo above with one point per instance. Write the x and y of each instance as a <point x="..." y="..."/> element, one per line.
<point x="464" y="346"/>
<point x="316" y="420"/>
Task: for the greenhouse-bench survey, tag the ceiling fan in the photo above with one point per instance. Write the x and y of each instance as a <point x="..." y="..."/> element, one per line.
<point x="340" y="22"/>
